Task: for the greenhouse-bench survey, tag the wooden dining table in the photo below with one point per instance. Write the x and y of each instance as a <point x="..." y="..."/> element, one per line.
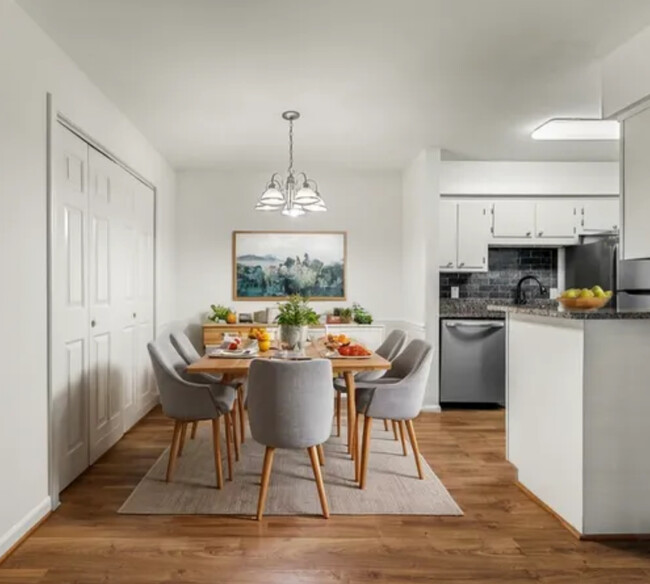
<point x="347" y="366"/>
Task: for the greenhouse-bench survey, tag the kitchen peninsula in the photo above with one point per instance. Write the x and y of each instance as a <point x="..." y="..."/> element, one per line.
<point x="578" y="404"/>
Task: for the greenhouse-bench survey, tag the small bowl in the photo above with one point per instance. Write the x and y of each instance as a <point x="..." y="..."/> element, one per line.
<point x="583" y="303"/>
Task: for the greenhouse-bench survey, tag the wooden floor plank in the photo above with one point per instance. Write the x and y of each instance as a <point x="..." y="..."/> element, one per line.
<point x="502" y="538"/>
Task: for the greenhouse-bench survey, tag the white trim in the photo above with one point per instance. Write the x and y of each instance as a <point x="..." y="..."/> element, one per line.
<point x="18" y="530"/>
<point x="432" y="409"/>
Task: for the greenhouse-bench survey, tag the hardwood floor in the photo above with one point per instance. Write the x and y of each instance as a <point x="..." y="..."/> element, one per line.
<point x="503" y="537"/>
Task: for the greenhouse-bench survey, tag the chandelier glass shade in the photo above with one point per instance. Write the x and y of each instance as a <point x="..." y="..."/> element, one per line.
<point x="297" y="194"/>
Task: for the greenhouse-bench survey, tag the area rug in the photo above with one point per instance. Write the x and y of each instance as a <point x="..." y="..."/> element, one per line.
<point x="392" y="486"/>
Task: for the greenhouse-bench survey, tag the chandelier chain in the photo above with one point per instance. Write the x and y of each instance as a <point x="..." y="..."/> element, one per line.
<point x="290" y="170"/>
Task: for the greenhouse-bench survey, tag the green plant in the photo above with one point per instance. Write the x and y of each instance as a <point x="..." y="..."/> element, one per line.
<point x="296" y="312"/>
<point x="219" y="312"/>
<point x="360" y="314"/>
<point x="346" y="314"/>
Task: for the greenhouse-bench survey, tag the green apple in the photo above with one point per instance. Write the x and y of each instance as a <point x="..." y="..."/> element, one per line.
<point x="585" y="293"/>
<point x="570" y="293"/>
<point x="609" y="294"/>
<point x="598" y="292"/>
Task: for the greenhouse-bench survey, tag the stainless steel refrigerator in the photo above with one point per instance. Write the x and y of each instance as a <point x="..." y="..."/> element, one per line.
<point x="593" y="263"/>
<point x="634" y="285"/>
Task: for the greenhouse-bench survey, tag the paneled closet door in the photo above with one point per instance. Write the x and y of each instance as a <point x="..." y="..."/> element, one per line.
<point x="70" y="306"/>
<point x="106" y="374"/>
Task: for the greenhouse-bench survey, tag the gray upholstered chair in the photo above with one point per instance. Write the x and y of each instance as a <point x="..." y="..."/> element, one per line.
<point x="188" y="352"/>
<point x="398" y="396"/>
<point x="185" y="402"/>
<point x="389" y="349"/>
<point x="290" y="406"/>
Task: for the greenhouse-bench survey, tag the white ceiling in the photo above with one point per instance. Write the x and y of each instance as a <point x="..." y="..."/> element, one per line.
<point x="375" y="80"/>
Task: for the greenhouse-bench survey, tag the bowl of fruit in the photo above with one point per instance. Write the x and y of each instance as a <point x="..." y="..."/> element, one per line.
<point x="585" y="298"/>
<point x="352" y="351"/>
<point x="333" y="342"/>
<point x="263" y="338"/>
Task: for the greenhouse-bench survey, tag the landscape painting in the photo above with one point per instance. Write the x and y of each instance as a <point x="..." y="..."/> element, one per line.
<point x="275" y="264"/>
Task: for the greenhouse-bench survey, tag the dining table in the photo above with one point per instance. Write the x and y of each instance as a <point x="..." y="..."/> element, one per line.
<point x="236" y="367"/>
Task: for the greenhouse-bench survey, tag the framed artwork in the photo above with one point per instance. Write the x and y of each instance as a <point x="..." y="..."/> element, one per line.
<point x="275" y="264"/>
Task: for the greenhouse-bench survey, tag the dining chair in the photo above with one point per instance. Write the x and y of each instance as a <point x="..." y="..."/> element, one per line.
<point x="188" y="352"/>
<point x="397" y="398"/>
<point x="185" y="401"/>
<point x="389" y="349"/>
<point x="290" y="406"/>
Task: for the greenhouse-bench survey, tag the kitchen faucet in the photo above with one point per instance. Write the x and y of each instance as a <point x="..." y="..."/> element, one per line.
<point x="520" y="296"/>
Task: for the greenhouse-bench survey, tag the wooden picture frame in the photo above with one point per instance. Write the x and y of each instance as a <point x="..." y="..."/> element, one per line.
<point x="275" y="251"/>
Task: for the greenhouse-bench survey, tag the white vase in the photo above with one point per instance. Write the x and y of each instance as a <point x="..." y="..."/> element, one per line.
<point x="294" y="336"/>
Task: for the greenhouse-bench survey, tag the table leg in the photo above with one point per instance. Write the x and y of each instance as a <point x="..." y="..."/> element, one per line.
<point x="353" y="443"/>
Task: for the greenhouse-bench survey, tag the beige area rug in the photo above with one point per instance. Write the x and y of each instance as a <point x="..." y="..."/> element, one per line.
<point x="392" y="486"/>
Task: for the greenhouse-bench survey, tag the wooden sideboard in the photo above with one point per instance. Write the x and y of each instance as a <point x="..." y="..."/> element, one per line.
<point x="370" y="335"/>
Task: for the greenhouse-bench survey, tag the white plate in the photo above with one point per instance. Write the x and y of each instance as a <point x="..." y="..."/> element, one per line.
<point x="236" y="354"/>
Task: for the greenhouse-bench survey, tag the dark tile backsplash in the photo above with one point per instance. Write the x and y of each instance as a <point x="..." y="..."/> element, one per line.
<point x="505" y="267"/>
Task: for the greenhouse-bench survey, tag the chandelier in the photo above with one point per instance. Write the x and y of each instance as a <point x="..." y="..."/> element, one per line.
<point x="298" y="194"/>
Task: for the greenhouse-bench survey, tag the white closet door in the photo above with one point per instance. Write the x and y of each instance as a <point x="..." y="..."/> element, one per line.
<point x="144" y="312"/>
<point x="70" y="303"/>
<point x="105" y="372"/>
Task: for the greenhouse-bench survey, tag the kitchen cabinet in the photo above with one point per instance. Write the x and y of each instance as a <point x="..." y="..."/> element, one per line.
<point x="555" y="219"/>
<point x="513" y="219"/>
<point x="447" y="234"/>
<point x="473" y="234"/>
<point x="600" y="216"/>
<point x="636" y="186"/>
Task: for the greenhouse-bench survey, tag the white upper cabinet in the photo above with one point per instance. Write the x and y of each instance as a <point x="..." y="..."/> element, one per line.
<point x="555" y="219"/>
<point x="636" y="186"/>
<point x="473" y="235"/>
<point x="600" y="216"/>
<point x="513" y="219"/>
<point x="447" y="234"/>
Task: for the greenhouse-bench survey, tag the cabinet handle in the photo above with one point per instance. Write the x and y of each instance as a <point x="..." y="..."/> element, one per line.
<point x="614" y="227"/>
<point x="483" y="260"/>
<point x="450" y="264"/>
<point x="134" y="315"/>
<point x="93" y="323"/>
<point x="540" y="234"/>
<point x="461" y="264"/>
<point x="528" y="233"/>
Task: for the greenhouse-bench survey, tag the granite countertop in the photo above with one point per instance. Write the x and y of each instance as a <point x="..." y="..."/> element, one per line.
<point x="470" y="308"/>
<point x="556" y="311"/>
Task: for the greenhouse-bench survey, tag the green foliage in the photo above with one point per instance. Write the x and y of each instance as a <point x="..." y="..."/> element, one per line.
<point x="360" y="314"/>
<point x="219" y="312"/>
<point x="345" y="314"/>
<point x="297" y="312"/>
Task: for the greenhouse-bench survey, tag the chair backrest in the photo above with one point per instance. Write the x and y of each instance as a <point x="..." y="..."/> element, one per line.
<point x="184" y="347"/>
<point x="290" y="403"/>
<point x="392" y="344"/>
<point x="408" y="360"/>
<point x="179" y="398"/>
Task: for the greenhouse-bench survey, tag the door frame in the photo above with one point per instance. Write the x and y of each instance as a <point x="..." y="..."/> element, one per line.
<point x="53" y="117"/>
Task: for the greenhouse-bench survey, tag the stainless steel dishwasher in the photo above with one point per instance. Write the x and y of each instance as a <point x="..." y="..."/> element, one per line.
<point x="472" y="361"/>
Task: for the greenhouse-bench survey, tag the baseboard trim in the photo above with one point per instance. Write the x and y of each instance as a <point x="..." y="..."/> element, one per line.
<point x="12" y="540"/>
<point x="432" y="409"/>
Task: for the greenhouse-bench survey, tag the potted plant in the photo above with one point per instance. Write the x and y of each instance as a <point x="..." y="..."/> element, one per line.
<point x="360" y="314"/>
<point x="294" y="319"/>
<point x="346" y="315"/>
<point x="219" y="313"/>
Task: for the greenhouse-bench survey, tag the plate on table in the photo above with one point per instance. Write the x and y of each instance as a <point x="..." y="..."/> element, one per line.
<point x="336" y="354"/>
<point x="220" y="353"/>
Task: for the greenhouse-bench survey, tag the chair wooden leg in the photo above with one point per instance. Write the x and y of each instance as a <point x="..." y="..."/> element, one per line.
<point x="235" y="438"/>
<point x="183" y="435"/>
<point x="338" y="413"/>
<point x="402" y="435"/>
<point x="365" y="453"/>
<point x="313" y="455"/>
<point x="242" y="413"/>
<point x="195" y="426"/>
<point x="357" y="430"/>
<point x="228" y="424"/>
<point x="266" y="475"/>
<point x="216" y="442"/>
<point x="414" y="446"/>
<point x="173" y="450"/>
<point x="394" y="424"/>
<point x="321" y="454"/>
<point x="386" y="425"/>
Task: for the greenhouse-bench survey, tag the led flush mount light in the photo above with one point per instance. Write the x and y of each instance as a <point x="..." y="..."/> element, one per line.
<point x="577" y="129"/>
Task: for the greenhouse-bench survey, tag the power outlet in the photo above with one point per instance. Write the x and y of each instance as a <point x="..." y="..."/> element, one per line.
<point x="455" y="292"/>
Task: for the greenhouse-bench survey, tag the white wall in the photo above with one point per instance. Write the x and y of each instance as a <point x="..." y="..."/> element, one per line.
<point x="529" y="178"/>
<point x="212" y="204"/>
<point x="626" y="75"/>
<point x="420" y="274"/>
<point x="30" y="66"/>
